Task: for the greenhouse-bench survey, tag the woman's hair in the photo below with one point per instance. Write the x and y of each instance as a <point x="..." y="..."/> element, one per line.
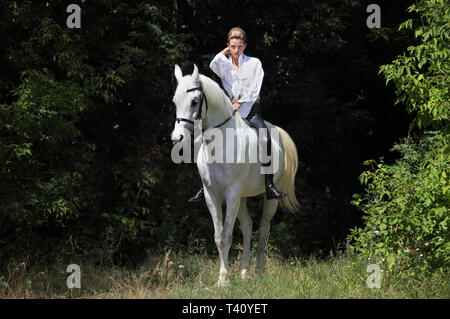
<point x="237" y="33"/>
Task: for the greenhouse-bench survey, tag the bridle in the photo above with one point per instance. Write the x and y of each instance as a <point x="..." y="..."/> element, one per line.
<point x="199" y="113"/>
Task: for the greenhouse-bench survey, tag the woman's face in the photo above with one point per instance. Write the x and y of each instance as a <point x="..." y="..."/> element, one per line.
<point x="237" y="47"/>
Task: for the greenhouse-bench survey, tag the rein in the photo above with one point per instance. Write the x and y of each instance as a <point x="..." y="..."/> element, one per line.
<point x="199" y="113"/>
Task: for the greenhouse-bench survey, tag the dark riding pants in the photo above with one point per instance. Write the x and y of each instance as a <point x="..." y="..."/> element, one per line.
<point x="256" y="119"/>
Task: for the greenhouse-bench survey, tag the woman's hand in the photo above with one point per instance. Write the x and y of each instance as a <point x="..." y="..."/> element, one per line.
<point x="236" y="106"/>
<point x="225" y="51"/>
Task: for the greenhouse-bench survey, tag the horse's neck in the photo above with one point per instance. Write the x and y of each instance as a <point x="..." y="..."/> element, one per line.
<point x="218" y="106"/>
<point x="215" y="117"/>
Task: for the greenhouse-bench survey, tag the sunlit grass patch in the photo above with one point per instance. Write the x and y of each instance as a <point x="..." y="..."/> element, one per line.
<point x="187" y="276"/>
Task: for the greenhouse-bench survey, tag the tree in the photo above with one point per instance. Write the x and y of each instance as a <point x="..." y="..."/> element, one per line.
<point x="407" y="203"/>
<point x="76" y="129"/>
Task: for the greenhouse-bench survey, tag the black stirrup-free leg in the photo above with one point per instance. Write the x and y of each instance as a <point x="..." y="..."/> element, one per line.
<point x="271" y="191"/>
<point x="200" y="195"/>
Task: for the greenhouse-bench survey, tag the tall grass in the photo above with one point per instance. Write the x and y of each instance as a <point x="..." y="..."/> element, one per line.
<point x="194" y="276"/>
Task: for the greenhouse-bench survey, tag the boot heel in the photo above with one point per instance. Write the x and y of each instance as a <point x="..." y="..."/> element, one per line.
<point x="271" y="191"/>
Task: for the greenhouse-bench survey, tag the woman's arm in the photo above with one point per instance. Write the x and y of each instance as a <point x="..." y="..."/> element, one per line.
<point x="225" y="51"/>
<point x="220" y="64"/>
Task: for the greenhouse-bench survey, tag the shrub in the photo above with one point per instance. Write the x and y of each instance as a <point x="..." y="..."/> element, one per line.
<point x="407" y="207"/>
<point x="407" y="203"/>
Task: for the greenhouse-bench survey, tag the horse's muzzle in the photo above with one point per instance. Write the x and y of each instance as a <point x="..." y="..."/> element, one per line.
<point x="175" y="141"/>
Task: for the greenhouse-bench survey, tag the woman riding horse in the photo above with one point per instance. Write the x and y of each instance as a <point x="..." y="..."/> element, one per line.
<point x="242" y="77"/>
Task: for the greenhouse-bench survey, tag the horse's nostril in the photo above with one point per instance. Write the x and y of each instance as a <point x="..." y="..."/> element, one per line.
<point x="175" y="141"/>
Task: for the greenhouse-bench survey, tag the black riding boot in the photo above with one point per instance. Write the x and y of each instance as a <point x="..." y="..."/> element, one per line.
<point x="197" y="197"/>
<point x="256" y="119"/>
<point x="271" y="191"/>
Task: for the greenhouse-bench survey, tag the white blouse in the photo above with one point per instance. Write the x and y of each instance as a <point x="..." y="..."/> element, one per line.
<point x="244" y="84"/>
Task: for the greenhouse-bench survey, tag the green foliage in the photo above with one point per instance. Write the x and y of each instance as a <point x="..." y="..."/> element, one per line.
<point x="77" y="114"/>
<point x="422" y="75"/>
<point x="407" y="203"/>
<point x="86" y="114"/>
<point x="407" y="207"/>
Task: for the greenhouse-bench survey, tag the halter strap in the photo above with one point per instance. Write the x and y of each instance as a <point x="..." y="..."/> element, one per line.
<point x="195" y="89"/>
<point x="178" y="119"/>
<point x="199" y="114"/>
<point x="200" y="88"/>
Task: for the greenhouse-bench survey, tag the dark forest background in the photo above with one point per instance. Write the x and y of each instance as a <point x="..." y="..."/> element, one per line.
<point x="86" y="117"/>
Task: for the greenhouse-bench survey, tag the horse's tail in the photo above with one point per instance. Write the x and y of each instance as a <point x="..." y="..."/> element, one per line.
<point x="290" y="202"/>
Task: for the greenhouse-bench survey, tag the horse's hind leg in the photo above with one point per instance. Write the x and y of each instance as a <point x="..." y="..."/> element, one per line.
<point x="245" y="224"/>
<point x="269" y="209"/>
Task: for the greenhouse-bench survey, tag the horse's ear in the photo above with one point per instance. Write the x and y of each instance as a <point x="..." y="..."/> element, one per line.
<point x="195" y="74"/>
<point x="178" y="73"/>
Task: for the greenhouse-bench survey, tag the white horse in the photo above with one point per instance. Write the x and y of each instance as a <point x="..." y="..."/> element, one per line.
<point x="197" y="97"/>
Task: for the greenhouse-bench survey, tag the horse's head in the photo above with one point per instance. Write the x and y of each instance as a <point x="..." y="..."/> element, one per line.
<point x="189" y="100"/>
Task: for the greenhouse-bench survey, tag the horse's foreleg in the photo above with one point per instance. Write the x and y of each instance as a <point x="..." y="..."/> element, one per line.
<point x="269" y="209"/>
<point x="215" y="208"/>
<point x="227" y="235"/>
<point x="245" y="223"/>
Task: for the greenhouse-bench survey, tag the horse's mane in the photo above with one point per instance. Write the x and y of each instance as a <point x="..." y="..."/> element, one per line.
<point x="216" y="95"/>
<point x="214" y="92"/>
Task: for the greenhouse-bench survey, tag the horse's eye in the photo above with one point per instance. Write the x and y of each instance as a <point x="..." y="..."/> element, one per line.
<point x="194" y="102"/>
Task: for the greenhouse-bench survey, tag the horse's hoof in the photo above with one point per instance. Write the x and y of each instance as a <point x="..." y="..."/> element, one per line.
<point x="244" y="274"/>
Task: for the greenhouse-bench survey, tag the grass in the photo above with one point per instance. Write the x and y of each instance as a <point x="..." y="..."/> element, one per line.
<point x="194" y="276"/>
